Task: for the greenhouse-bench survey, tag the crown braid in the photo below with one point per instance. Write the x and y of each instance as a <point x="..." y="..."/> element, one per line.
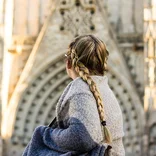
<point x="84" y="74"/>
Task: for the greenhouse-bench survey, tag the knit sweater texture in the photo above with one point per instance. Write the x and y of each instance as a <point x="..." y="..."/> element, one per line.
<point x="78" y="128"/>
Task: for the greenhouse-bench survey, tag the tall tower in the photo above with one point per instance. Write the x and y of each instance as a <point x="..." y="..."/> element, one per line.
<point x="150" y="73"/>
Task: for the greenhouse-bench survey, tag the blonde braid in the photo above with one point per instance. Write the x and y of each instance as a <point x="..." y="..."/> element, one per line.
<point x="84" y="74"/>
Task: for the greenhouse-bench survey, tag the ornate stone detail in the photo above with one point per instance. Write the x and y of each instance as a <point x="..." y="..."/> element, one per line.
<point x="38" y="102"/>
<point x="132" y="129"/>
<point x="77" y="16"/>
<point x="152" y="140"/>
<point x="135" y="62"/>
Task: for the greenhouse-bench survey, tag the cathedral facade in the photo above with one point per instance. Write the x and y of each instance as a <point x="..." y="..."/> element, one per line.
<point x="34" y="38"/>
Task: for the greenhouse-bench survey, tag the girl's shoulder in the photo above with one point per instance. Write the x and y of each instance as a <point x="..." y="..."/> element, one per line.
<point x="78" y="86"/>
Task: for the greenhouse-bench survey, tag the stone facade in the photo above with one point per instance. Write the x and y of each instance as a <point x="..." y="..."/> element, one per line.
<point x="41" y="69"/>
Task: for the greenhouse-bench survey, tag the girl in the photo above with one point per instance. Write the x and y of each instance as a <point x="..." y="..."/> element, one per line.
<point x="88" y="116"/>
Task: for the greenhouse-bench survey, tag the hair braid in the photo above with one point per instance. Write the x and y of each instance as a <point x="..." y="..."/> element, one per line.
<point x="84" y="74"/>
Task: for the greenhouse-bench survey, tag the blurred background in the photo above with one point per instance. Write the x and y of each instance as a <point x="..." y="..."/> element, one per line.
<point x="34" y="36"/>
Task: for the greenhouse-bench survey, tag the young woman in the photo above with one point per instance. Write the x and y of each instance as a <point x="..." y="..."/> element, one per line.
<point x="88" y="116"/>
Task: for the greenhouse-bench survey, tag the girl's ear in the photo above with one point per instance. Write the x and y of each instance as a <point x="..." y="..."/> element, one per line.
<point x="69" y="64"/>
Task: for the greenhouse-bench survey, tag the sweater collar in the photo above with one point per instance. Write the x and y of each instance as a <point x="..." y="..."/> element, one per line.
<point x="96" y="78"/>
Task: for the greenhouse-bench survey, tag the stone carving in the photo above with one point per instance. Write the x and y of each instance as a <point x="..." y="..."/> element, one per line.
<point x="135" y="63"/>
<point x="38" y="102"/>
<point x="77" y="16"/>
<point x="152" y="140"/>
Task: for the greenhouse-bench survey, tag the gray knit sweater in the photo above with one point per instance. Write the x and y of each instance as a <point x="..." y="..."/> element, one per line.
<point x="79" y="130"/>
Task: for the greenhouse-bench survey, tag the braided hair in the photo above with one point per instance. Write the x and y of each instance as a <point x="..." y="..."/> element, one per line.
<point x="89" y="55"/>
